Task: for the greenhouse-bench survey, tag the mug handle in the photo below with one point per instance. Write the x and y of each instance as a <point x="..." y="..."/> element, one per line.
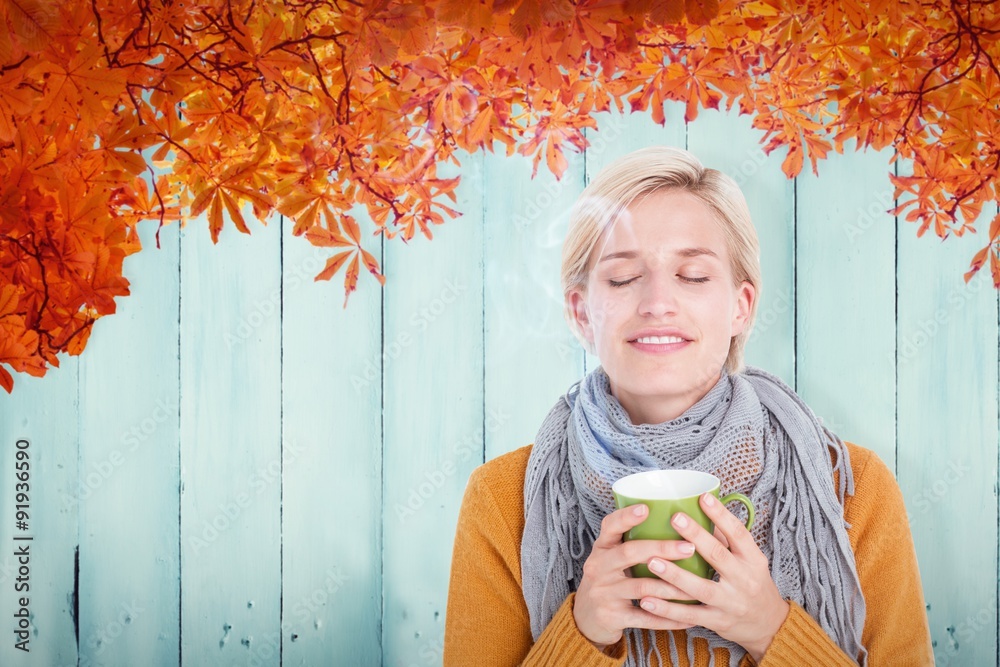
<point x="739" y="497"/>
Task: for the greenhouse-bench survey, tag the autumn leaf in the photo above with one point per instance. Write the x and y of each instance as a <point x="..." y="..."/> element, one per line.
<point x="351" y="228"/>
<point x="977" y="263"/>
<point x="226" y="192"/>
<point x="701" y="11"/>
<point x="351" y="278"/>
<point x="16" y="99"/>
<point x="333" y="265"/>
<point x="80" y="82"/>
<point x="320" y="236"/>
<point x="995" y="268"/>
<point x="6" y="381"/>
<point x="34" y="22"/>
<point x="8" y="299"/>
<point x="372" y="265"/>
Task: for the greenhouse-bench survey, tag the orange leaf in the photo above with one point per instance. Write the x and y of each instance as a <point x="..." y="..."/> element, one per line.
<point x="202" y="200"/>
<point x="6" y="381"/>
<point x="8" y="299"/>
<point x="307" y="219"/>
<point x="234" y="211"/>
<point x="995" y="228"/>
<point x="333" y="265"/>
<point x="215" y="219"/>
<point x="351" y="278"/>
<point x="977" y="263"/>
<point x="351" y="228"/>
<point x="554" y="158"/>
<point x="480" y="127"/>
<point x="34" y="23"/>
<point x="527" y="19"/>
<point x="79" y="341"/>
<point x="372" y="265"/>
<point x="667" y="12"/>
<point x="321" y="236"/>
<point x="6" y="49"/>
<point x="701" y="12"/>
<point x="792" y="164"/>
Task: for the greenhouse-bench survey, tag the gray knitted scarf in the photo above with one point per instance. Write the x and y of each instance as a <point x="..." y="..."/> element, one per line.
<point x="752" y="432"/>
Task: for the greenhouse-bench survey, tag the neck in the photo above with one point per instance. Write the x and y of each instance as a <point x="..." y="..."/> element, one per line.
<point x="660" y="408"/>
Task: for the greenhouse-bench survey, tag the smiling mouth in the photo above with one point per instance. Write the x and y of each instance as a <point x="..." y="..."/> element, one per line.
<point x="659" y="345"/>
<point x="659" y="340"/>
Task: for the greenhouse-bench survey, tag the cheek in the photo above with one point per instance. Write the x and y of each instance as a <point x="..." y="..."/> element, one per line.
<point x="606" y="312"/>
<point x="714" y="316"/>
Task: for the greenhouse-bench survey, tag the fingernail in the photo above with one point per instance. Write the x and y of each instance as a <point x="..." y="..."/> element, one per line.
<point x="709" y="499"/>
<point x="656" y="565"/>
<point x="639" y="510"/>
<point x="680" y="520"/>
<point x="687" y="548"/>
<point x="648" y="605"/>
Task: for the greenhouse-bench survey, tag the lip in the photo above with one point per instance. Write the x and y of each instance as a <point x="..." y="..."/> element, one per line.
<point x="659" y="331"/>
<point x="659" y="348"/>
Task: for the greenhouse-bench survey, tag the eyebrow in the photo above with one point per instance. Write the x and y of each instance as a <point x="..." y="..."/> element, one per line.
<point x="683" y="252"/>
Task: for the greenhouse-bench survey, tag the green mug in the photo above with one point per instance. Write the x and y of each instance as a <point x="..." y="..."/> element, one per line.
<point x="666" y="492"/>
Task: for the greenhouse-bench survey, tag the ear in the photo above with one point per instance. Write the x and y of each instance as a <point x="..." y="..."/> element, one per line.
<point x="745" y="296"/>
<point x="578" y="304"/>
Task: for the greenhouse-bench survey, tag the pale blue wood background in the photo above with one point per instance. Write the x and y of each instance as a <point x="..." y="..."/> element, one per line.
<point x="239" y="471"/>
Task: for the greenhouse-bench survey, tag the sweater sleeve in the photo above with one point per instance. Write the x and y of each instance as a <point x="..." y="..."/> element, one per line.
<point x="896" y="631"/>
<point x="486" y="619"/>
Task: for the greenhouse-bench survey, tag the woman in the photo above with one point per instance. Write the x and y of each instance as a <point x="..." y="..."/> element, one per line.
<point x="661" y="279"/>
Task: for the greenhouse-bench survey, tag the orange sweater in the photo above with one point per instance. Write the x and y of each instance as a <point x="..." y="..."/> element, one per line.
<point x="486" y="622"/>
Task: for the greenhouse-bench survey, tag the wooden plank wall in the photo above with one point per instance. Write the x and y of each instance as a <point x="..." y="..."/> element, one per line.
<point x="241" y="471"/>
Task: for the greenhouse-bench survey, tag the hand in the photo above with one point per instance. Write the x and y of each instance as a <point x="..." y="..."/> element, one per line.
<point x="603" y="606"/>
<point x="744" y="606"/>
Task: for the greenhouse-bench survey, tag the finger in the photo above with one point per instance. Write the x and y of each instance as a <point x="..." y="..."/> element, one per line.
<point x="638" y="588"/>
<point x="689" y="584"/>
<point x="676" y="612"/>
<point x="614" y="525"/>
<point x="738" y="538"/>
<point x="636" y="617"/>
<point x="711" y="549"/>
<point x="640" y="551"/>
<point x="719" y="535"/>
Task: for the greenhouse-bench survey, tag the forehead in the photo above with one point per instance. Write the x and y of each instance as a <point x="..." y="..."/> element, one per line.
<point x="664" y="225"/>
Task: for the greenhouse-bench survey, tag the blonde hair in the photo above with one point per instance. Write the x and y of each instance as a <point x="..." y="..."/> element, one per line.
<point x="641" y="173"/>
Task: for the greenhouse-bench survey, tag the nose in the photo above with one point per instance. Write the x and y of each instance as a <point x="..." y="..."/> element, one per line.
<point x="658" y="295"/>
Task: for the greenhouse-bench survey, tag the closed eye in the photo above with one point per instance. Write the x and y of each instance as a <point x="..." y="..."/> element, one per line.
<point x="616" y="283"/>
